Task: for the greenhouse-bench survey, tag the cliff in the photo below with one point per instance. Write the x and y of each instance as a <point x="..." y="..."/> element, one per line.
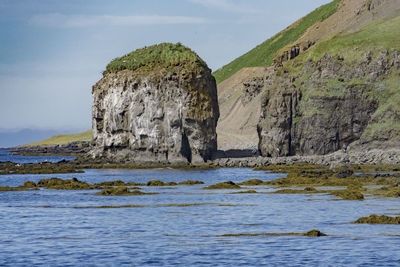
<point x="343" y="90"/>
<point x="157" y="104"/>
<point x="329" y="79"/>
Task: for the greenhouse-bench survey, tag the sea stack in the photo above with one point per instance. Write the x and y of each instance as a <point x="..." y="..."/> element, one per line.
<point x="156" y="105"/>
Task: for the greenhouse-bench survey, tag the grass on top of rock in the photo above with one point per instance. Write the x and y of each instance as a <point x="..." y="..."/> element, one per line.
<point x="164" y="55"/>
<point x="263" y="54"/>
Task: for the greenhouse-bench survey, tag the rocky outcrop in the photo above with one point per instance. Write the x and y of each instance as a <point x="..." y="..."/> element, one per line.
<point x="161" y="112"/>
<point x="329" y="103"/>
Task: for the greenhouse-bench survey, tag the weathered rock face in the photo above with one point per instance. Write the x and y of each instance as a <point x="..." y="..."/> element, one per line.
<point x="161" y="115"/>
<point x="329" y="103"/>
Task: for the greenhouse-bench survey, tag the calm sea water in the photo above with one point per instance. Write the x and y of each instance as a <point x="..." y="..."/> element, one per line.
<point x="5" y="156"/>
<point x="59" y="228"/>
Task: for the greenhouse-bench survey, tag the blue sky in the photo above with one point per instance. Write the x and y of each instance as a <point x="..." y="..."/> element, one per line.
<point x="53" y="51"/>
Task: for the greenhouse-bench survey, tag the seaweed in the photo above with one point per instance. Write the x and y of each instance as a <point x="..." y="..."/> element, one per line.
<point x="223" y="185"/>
<point x="253" y="182"/>
<point x="70" y="184"/>
<point x="122" y="191"/>
<point x="312" y="233"/>
<point x="245" y="192"/>
<point x="376" y="219"/>
<point x="190" y="182"/>
<point x="159" y="183"/>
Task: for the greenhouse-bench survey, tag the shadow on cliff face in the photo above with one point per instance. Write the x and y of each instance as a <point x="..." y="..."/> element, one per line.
<point x="185" y="149"/>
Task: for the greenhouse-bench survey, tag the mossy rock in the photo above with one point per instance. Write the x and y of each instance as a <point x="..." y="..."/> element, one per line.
<point x="112" y="183"/>
<point x="296" y="191"/>
<point x="252" y="182"/>
<point x="223" y="185"/>
<point x="314" y="232"/>
<point x="190" y="182"/>
<point x="60" y="184"/>
<point x="122" y="191"/>
<point x="29" y="184"/>
<point x="376" y="219"/>
<point x="155" y="183"/>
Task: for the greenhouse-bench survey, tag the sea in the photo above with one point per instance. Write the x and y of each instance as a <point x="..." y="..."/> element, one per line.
<point x="187" y="225"/>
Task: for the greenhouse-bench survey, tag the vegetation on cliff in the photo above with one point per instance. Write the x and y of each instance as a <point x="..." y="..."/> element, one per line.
<point x="368" y="61"/>
<point x="263" y="54"/>
<point x="164" y="55"/>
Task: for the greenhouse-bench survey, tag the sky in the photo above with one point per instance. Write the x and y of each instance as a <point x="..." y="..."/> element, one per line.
<point x="53" y="51"/>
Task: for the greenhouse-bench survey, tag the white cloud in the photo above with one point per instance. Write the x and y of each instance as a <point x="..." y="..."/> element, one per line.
<point x="227" y="5"/>
<point x="76" y="21"/>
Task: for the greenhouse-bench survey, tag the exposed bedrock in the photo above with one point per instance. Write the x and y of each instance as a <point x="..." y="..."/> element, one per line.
<point x="330" y="102"/>
<point x="163" y="114"/>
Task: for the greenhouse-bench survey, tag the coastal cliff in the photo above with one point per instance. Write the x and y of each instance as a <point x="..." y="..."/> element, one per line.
<point x="328" y="80"/>
<point x="156" y="105"/>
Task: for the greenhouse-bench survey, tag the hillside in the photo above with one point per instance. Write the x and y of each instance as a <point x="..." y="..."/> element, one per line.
<point x="63" y="139"/>
<point x="343" y="90"/>
<point x="263" y="54"/>
<point x="358" y="29"/>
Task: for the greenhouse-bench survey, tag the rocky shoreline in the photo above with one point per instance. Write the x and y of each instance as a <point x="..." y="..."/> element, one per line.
<point x="228" y="159"/>
<point x="336" y="159"/>
<point x="74" y="148"/>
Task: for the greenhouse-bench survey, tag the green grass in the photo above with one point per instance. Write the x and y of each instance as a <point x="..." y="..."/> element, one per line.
<point x="64" y="139"/>
<point x="160" y="55"/>
<point x="380" y="35"/>
<point x="263" y="54"/>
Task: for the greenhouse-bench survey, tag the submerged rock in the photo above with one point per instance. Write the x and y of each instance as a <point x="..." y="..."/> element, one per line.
<point x="156" y="104"/>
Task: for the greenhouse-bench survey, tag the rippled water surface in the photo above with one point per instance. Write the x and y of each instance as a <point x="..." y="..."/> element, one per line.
<point x="63" y="228"/>
<point x="5" y="156"/>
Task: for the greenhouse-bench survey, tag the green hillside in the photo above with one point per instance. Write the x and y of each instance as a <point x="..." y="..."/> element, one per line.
<point x="263" y="54"/>
<point x="63" y="139"/>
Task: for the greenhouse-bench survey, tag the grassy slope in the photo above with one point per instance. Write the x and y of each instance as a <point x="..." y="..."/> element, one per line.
<point x="64" y="139"/>
<point x="378" y="36"/>
<point x="263" y="54"/>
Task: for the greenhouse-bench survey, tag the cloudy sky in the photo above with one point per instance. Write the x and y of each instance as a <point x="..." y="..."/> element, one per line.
<point x="53" y="51"/>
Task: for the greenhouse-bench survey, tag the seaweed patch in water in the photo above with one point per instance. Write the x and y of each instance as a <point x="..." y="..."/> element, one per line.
<point x="122" y="191"/>
<point x="147" y="206"/>
<point x="253" y="182"/>
<point x="246" y="192"/>
<point x="190" y="182"/>
<point x="376" y="219"/>
<point x="223" y="185"/>
<point x="159" y="183"/>
<point x="313" y="232"/>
